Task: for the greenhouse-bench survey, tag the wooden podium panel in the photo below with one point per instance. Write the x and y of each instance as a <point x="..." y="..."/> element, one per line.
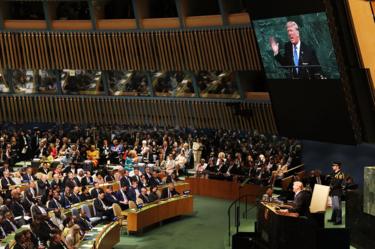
<point x="163" y="210"/>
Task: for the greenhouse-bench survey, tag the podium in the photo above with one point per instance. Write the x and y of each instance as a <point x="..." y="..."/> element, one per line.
<point x="276" y="230"/>
<point x="307" y="71"/>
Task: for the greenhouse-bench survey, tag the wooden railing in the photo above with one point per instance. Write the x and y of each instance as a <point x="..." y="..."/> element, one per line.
<point x="138" y="111"/>
<point x="211" y="49"/>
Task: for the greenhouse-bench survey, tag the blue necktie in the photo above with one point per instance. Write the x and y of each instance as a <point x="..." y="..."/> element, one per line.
<point x="295" y="57"/>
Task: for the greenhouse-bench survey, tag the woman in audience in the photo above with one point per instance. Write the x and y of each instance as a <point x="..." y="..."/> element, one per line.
<point x="170" y="165"/>
<point x="93" y="156"/>
<point x="130" y="160"/>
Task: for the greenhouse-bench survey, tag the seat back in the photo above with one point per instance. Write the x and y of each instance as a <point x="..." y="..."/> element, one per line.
<point x="87" y="210"/>
<point x="75" y="212"/>
<point x="139" y="201"/>
<point x="117" y="210"/>
<point x="132" y="204"/>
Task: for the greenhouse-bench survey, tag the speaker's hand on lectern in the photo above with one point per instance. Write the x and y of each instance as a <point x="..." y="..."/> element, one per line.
<point x="274" y="45"/>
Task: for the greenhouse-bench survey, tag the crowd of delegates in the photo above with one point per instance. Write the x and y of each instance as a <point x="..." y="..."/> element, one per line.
<point x="219" y="153"/>
<point x="73" y="159"/>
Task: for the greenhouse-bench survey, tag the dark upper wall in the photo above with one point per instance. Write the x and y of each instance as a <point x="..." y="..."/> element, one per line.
<point x="354" y="158"/>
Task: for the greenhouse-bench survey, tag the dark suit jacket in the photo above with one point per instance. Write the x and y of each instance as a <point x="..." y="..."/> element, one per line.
<point x="2" y="235"/>
<point x="84" y="224"/>
<point x="59" y="183"/>
<point x="94" y="193"/>
<point x="17" y="208"/>
<point x="85" y="197"/>
<point x="52" y="204"/>
<point x="109" y="199"/>
<point x="71" y="183"/>
<point x="36" y="211"/>
<point x="65" y="202"/>
<point x="5" y="184"/>
<point x="100" y="211"/>
<point x="154" y="181"/>
<point x="125" y="181"/>
<point x="43" y="170"/>
<point x="27" y="178"/>
<point x="165" y="193"/>
<point x="144" y="198"/>
<point x="307" y="56"/>
<point x="119" y="196"/>
<point x="301" y="203"/>
<point x="43" y="232"/>
<point x="132" y="194"/>
<point x="8" y="227"/>
<point x="153" y="197"/>
<point x="86" y="181"/>
<point x="43" y="151"/>
<point x="148" y="177"/>
<point x="74" y="199"/>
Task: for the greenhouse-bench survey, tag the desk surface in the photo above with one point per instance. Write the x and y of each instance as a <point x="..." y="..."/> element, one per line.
<point x="273" y="207"/>
<point x="159" y="211"/>
<point x="108" y="235"/>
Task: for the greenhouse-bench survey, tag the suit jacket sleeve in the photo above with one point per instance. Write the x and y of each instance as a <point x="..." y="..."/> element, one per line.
<point x="98" y="206"/>
<point x="164" y="194"/>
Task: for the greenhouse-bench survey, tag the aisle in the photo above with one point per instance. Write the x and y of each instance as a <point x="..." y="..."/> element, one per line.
<point x="205" y="229"/>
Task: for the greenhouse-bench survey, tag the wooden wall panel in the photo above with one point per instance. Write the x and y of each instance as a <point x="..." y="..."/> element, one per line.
<point x="211" y="49"/>
<point x="160" y="112"/>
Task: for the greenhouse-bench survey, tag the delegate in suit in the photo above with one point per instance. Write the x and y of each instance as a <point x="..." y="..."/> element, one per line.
<point x="301" y="58"/>
<point x="302" y="199"/>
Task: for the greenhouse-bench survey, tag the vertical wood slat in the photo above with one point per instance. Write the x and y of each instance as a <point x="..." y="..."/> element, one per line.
<point x="10" y="50"/>
<point x="17" y="40"/>
<point x="2" y="115"/>
<point x="13" y="104"/>
<point x="2" y="49"/>
<point x="38" y="51"/>
<point x="3" y="108"/>
<point x="87" y="105"/>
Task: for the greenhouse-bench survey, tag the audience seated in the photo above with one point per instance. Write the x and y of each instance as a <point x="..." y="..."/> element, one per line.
<point x="71" y="166"/>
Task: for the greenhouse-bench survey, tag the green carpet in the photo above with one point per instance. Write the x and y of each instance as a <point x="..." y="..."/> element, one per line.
<point x="206" y="228"/>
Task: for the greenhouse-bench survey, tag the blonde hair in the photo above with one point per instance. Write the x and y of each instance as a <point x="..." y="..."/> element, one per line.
<point x="292" y="24"/>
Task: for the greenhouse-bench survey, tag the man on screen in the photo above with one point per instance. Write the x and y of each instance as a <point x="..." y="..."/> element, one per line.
<point x="298" y="58"/>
